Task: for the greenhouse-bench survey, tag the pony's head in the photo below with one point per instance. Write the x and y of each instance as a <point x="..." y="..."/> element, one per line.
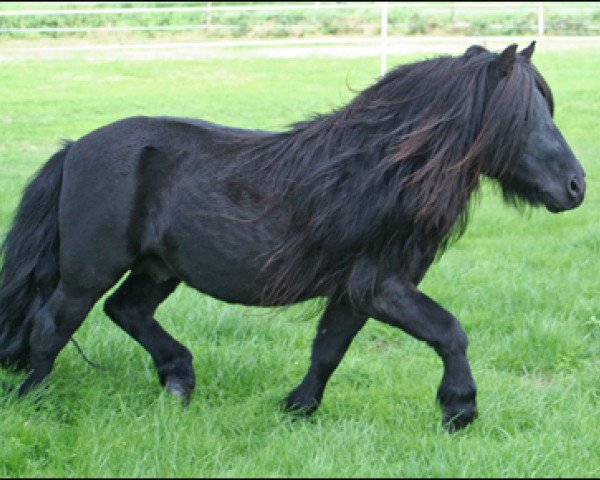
<point x="542" y="169"/>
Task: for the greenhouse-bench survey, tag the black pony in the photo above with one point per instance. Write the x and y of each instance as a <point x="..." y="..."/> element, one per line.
<point x="352" y="206"/>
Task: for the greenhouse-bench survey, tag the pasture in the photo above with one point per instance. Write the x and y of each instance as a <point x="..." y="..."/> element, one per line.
<point x="525" y="286"/>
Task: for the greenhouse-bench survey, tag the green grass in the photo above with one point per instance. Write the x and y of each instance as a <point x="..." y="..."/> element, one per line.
<point x="525" y="286"/>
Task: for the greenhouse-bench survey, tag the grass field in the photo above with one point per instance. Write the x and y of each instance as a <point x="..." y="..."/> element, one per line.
<point x="525" y="286"/>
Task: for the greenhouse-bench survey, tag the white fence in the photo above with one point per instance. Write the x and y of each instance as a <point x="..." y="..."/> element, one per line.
<point x="458" y="8"/>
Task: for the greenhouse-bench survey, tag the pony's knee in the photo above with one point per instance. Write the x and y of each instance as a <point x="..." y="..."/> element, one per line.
<point x="44" y="328"/>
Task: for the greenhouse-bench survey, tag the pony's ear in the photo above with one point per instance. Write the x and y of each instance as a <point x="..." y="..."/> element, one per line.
<point x="528" y="52"/>
<point x="474" y="50"/>
<point x="506" y="59"/>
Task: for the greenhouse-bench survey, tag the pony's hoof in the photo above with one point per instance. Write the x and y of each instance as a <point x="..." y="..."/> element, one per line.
<point x="457" y="419"/>
<point x="299" y="404"/>
<point x="459" y="406"/>
<point x="179" y="389"/>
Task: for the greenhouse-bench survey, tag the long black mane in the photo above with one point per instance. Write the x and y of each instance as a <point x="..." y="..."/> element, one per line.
<point x="392" y="170"/>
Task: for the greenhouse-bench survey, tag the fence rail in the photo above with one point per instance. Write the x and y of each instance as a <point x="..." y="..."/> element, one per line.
<point x="535" y="12"/>
<point x="219" y="8"/>
<point x="489" y="6"/>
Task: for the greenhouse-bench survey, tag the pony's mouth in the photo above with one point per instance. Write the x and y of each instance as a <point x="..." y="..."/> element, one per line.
<point x="553" y="208"/>
<point x="555" y="205"/>
<point x="519" y="191"/>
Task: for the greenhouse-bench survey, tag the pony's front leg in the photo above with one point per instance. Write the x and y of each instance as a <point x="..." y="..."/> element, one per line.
<point x="337" y="327"/>
<point x="398" y="303"/>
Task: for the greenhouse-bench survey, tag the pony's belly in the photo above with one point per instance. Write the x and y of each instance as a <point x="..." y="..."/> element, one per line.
<point x="215" y="245"/>
<point x="223" y="264"/>
<point x="227" y="284"/>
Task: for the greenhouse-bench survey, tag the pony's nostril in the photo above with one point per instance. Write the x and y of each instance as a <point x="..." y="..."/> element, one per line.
<point x="574" y="187"/>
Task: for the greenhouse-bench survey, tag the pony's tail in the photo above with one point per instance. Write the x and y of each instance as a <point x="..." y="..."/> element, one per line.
<point x="29" y="272"/>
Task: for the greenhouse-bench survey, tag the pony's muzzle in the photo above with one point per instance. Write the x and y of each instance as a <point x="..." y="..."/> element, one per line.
<point x="566" y="194"/>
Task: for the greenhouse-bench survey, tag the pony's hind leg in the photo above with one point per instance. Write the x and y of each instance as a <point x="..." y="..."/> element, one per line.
<point x="132" y="307"/>
<point x="53" y="326"/>
<point x="337" y="327"/>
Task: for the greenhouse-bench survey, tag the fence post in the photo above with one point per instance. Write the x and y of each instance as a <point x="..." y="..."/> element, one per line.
<point x="540" y="24"/>
<point x="208" y="14"/>
<point x="384" y="29"/>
